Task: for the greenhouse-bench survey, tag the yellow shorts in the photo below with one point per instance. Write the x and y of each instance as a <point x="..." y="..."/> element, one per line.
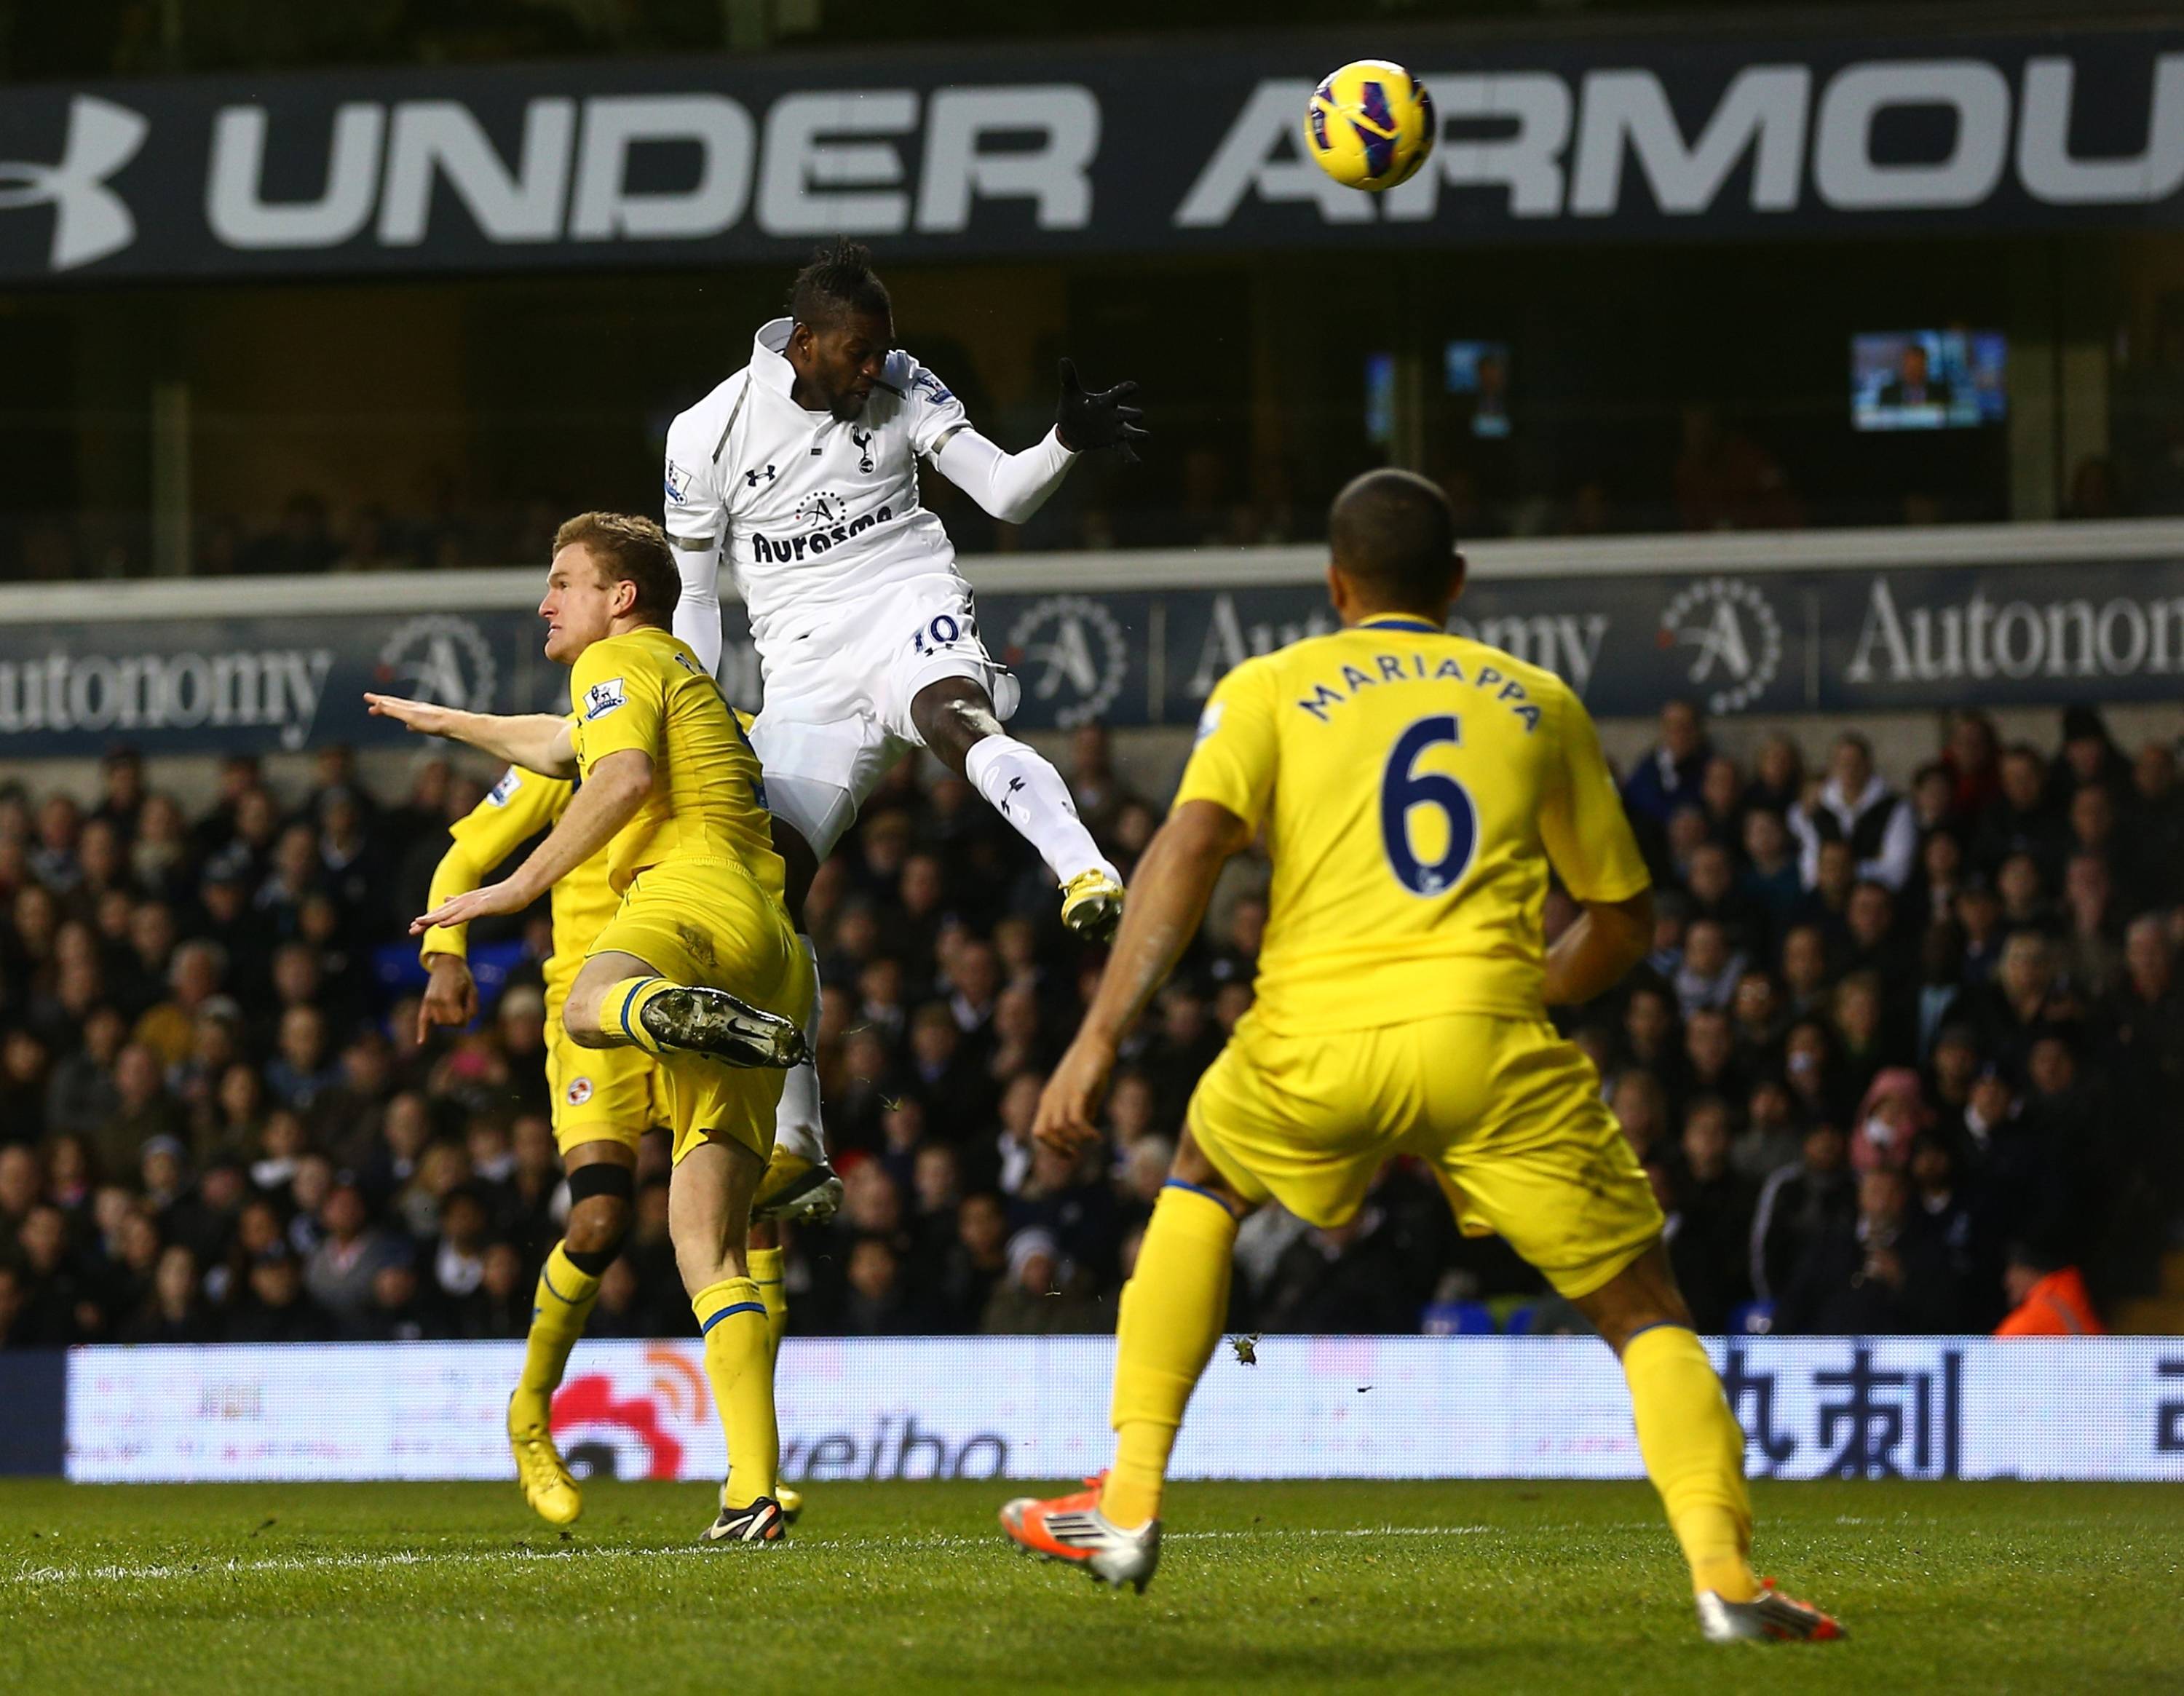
<point x="706" y="922"/>
<point x="1506" y="1113"/>
<point x="600" y="1095"/>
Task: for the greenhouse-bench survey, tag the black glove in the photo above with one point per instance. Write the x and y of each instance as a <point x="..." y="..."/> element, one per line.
<point x="1085" y="421"/>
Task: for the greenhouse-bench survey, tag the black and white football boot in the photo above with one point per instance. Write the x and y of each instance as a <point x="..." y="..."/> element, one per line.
<point x="761" y="1522"/>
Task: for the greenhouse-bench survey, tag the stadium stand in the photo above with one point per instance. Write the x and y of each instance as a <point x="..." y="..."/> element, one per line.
<point x="1903" y="1060"/>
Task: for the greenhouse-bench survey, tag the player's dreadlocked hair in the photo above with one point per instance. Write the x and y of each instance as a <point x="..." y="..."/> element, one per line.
<point x="838" y="282"/>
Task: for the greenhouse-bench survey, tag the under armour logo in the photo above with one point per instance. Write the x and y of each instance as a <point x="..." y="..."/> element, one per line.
<point x="752" y="477"/>
<point x="90" y="219"/>
<point x="864" y="447"/>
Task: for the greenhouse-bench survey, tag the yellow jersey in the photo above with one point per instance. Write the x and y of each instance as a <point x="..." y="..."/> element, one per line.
<point x="1415" y="787"/>
<point x="645" y="690"/>
<point x="517" y="809"/>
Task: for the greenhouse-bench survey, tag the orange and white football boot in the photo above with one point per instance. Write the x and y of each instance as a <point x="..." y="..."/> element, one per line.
<point x="1769" y="1617"/>
<point x="1071" y="1529"/>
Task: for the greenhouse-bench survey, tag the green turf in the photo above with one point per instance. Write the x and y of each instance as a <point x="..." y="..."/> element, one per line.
<point x="1497" y="1589"/>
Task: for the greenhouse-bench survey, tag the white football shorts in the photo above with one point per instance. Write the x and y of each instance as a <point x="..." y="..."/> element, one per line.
<point x="839" y="688"/>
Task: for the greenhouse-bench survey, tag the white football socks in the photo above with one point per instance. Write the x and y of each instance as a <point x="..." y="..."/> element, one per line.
<point x="796" y="1123"/>
<point x="1030" y="794"/>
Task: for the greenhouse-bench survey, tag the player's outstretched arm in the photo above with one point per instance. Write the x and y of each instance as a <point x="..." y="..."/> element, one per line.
<point x="1168" y="895"/>
<point x="536" y="742"/>
<point x="608" y="800"/>
<point x="1010" y="487"/>
<point x="1013" y="486"/>
<point x="1590" y="957"/>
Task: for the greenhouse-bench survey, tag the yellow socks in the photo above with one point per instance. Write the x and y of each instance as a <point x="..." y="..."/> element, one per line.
<point x="558" y="1308"/>
<point x="765" y="1273"/>
<point x="1694" y="1452"/>
<point x="1173" y="1309"/>
<point x="621" y="1004"/>
<point x="739" y="1365"/>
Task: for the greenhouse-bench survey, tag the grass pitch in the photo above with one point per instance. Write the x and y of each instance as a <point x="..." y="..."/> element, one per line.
<point x="1502" y="1588"/>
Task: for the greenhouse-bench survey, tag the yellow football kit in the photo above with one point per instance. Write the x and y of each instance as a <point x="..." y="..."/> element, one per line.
<point x="699" y="881"/>
<point x="1415" y="787"/>
<point x="616" y="1093"/>
<point x="599" y="1095"/>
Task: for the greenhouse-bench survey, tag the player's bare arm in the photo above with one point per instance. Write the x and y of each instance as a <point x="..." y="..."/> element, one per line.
<point x="608" y="800"/>
<point x="1174" y="882"/>
<point x="536" y="742"/>
<point x="1590" y="957"/>
<point x="451" y="997"/>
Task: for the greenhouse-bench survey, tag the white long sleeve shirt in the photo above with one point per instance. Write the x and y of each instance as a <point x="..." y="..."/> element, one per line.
<point x="810" y="510"/>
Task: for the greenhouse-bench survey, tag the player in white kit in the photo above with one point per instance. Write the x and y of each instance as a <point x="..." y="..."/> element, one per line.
<point x="801" y="470"/>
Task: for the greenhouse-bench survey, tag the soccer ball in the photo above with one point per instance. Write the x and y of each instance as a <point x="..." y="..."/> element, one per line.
<point x="1370" y="125"/>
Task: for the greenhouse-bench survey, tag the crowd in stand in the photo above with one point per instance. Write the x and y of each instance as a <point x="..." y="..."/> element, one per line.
<point x="1901" y="1059"/>
<point x="1903" y="1055"/>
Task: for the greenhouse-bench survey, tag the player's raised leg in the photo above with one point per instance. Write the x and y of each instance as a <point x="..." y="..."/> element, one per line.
<point x="799" y="1183"/>
<point x="601" y="1185"/>
<point x="1694" y="1452"/>
<point x="955" y="717"/>
<point x="618" y="999"/>
<point x="709" y="1216"/>
<point x="808" y="818"/>
<point x="1173" y="1309"/>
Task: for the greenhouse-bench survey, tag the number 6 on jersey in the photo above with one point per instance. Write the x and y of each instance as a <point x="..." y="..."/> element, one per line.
<point x="1404" y="789"/>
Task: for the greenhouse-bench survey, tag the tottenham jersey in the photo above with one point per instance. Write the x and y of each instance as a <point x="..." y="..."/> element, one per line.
<point x="808" y="510"/>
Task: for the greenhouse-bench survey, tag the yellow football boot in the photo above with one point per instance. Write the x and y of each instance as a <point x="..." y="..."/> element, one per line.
<point x="539" y="1474"/>
<point x="1092" y="905"/>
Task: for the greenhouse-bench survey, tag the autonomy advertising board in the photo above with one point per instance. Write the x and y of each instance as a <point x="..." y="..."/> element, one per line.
<point x="1079" y="150"/>
<point x="1314" y="1407"/>
<point x="1837" y="640"/>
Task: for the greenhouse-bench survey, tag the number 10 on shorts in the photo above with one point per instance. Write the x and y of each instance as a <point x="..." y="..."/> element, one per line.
<point x="945" y="630"/>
